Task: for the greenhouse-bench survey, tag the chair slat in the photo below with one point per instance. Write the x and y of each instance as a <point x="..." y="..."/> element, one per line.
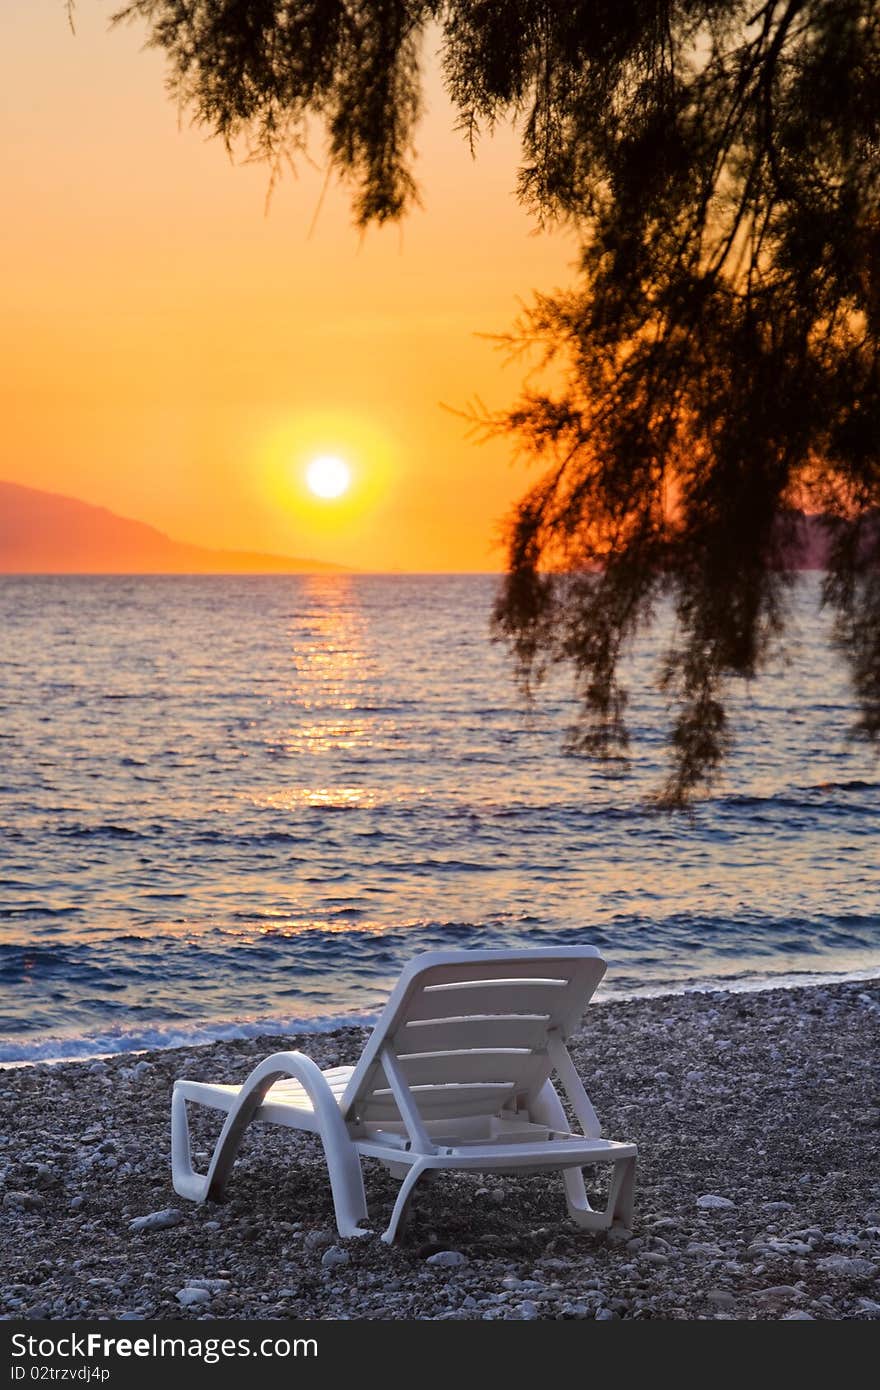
<point x="496" y="997"/>
<point x="509" y="967"/>
<point x="466" y="1000"/>
<point x="437" y="1101"/>
<point x="468" y="1066"/>
<point x="501" y="1030"/>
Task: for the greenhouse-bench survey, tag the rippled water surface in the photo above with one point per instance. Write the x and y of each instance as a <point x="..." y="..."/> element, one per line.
<point x="231" y="800"/>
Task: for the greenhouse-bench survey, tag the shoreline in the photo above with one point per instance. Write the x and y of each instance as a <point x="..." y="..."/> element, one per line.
<point x="251" y="1030"/>
<point x="765" y="1102"/>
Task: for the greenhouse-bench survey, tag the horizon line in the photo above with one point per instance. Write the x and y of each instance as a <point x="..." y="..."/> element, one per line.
<point x="332" y="572"/>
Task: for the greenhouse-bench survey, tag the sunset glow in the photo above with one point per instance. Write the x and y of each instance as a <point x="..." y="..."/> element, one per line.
<point x="328" y="477"/>
<point x="180" y="356"/>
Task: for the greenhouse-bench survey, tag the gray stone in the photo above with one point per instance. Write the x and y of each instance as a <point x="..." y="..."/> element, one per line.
<point x="774" y="1245"/>
<point x="618" y="1235"/>
<point x="778" y="1293"/>
<point x="710" y="1202"/>
<point x="157" y="1220"/>
<point x="318" y="1240"/>
<point x="333" y="1257"/>
<point x="189" y="1297"/>
<point x="848" y="1266"/>
<point x="527" y="1310"/>
<point x="22" y="1201"/>
<point x="722" y="1298"/>
<point x="447" y="1259"/>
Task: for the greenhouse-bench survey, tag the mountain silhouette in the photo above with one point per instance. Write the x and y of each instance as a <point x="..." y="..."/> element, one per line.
<point x="47" y="533"/>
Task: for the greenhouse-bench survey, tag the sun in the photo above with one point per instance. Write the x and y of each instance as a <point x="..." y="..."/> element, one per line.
<point x="328" y="476"/>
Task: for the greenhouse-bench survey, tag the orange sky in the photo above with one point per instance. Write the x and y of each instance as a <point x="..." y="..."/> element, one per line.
<point x="168" y="351"/>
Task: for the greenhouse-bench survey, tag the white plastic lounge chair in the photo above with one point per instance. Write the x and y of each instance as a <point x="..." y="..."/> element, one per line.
<point x="455" y="1075"/>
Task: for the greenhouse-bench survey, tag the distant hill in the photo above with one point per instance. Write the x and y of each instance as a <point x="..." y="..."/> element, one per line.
<point x="46" y="533"/>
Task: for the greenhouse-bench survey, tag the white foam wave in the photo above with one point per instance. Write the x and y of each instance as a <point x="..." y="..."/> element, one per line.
<point x="16" y="1052"/>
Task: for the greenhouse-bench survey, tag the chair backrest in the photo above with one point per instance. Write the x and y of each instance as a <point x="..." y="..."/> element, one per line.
<point x="469" y="1031"/>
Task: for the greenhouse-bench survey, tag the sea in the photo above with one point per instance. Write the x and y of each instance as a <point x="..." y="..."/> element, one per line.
<point x="237" y="805"/>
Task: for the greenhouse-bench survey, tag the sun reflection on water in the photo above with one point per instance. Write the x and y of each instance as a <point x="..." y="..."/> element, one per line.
<point x="326" y="798"/>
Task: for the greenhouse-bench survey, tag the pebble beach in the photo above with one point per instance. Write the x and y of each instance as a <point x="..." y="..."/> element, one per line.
<point x="757" y="1117"/>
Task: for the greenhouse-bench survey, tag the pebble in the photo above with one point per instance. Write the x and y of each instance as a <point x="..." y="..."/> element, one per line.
<point x="189" y="1297"/>
<point x="848" y="1266"/>
<point x="774" y="1246"/>
<point x="527" y="1310"/>
<point x="788" y="1099"/>
<point x="722" y="1298"/>
<point x="334" y="1257"/>
<point x="157" y="1220"/>
<point x="317" y="1240"/>
<point x="618" y="1235"/>
<point x="710" y="1202"/>
<point x="22" y="1201"/>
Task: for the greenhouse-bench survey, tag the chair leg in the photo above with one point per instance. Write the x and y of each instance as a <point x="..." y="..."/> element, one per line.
<point x="621" y="1199"/>
<point x="547" y="1110"/>
<point x="578" y="1203"/>
<point x="404" y="1197"/>
<point x="346" y="1182"/>
<point x="343" y="1160"/>
<point x="202" y="1187"/>
<point x="186" y="1181"/>
<point x="618" y="1214"/>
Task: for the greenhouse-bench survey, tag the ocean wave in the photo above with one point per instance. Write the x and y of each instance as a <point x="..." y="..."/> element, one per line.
<point x="112" y="1042"/>
<point x="210" y="844"/>
<point x="120" y="1041"/>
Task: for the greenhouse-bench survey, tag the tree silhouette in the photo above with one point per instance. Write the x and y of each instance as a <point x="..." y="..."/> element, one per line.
<point x="715" y="366"/>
